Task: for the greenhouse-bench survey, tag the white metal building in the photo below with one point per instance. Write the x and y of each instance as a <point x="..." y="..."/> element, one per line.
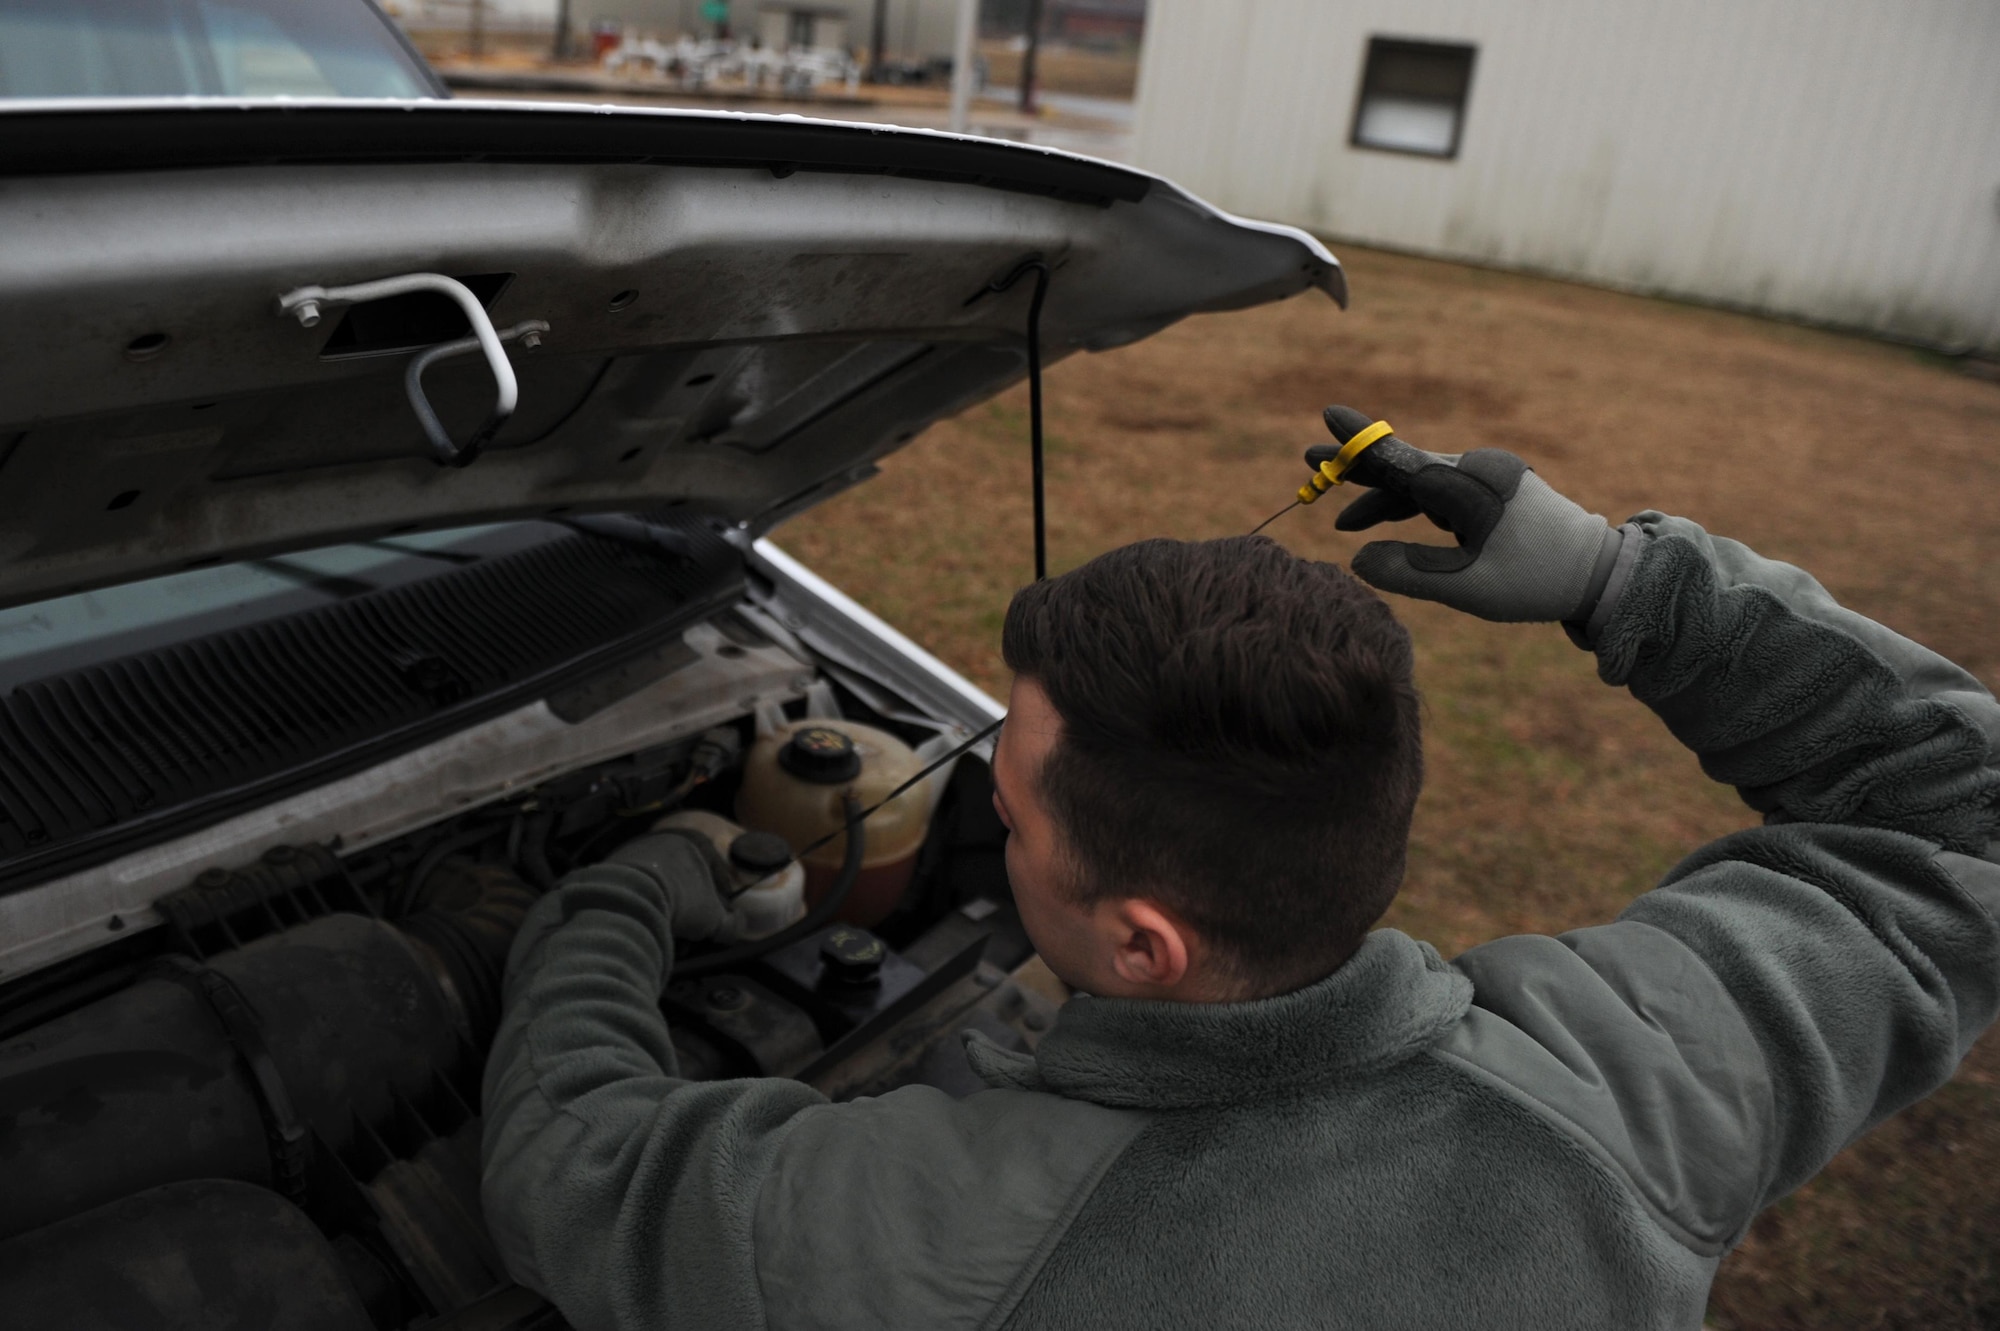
<point x="1829" y="160"/>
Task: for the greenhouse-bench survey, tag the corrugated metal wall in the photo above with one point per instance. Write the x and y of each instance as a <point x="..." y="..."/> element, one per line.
<point x="1834" y="160"/>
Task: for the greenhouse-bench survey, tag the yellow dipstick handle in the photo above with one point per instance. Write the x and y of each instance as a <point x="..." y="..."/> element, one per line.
<point x="1331" y="473"/>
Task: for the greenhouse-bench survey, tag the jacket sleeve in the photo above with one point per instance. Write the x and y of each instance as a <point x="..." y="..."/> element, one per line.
<point x="633" y="1198"/>
<point x="1790" y="986"/>
<point x="622" y="1192"/>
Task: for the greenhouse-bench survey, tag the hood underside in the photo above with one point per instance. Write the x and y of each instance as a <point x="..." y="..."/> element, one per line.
<point x="743" y="313"/>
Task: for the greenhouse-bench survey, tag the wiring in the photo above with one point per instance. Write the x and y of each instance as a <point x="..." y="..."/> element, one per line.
<point x="411" y="893"/>
<point x="534" y="860"/>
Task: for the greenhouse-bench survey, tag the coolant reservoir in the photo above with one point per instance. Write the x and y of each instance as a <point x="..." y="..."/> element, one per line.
<point x="793" y="781"/>
<point x="770" y="884"/>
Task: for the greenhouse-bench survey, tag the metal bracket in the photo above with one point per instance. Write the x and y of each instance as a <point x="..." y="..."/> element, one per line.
<point x="290" y="1143"/>
<point x="308" y="305"/>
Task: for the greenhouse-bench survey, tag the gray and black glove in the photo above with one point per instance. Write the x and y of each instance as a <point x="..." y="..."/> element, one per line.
<point x="695" y="877"/>
<point x="1525" y="554"/>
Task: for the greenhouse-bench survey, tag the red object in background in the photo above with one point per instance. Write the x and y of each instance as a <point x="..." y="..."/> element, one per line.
<point x="1101" y="20"/>
<point x="604" y="39"/>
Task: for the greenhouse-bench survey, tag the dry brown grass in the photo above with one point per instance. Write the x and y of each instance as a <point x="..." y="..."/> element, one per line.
<point x="1551" y="800"/>
<point x="1065" y="69"/>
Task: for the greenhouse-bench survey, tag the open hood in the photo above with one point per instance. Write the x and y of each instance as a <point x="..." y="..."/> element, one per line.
<point x="742" y="313"/>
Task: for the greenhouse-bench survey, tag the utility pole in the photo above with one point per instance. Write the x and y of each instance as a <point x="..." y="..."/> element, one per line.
<point x="963" y="55"/>
<point x="478" y="27"/>
<point x="560" y="51"/>
<point x="881" y="43"/>
<point x="1028" y="57"/>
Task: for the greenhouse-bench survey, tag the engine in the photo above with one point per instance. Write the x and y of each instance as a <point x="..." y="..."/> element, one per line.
<point x="264" y="1111"/>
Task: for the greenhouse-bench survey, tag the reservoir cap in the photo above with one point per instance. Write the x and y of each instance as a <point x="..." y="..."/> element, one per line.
<point x="852" y="956"/>
<point x="821" y="755"/>
<point x="760" y="852"/>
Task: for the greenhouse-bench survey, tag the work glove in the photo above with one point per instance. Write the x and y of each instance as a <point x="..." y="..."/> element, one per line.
<point x="1525" y="554"/>
<point x="694" y="876"/>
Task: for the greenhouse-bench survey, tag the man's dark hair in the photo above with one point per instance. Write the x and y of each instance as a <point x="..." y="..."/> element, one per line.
<point x="1240" y="743"/>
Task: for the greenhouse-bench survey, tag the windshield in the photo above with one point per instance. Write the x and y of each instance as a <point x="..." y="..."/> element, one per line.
<point x="216" y="48"/>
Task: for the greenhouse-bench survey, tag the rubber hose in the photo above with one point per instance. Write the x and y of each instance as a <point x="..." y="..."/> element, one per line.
<point x="812" y="922"/>
<point x="534" y="862"/>
<point x="411" y="897"/>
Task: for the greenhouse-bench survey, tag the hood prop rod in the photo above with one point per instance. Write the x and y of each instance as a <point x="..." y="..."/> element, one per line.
<point x="1040" y="268"/>
<point x="307" y="304"/>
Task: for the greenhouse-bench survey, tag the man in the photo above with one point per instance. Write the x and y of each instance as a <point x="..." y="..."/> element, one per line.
<point x="1264" y="1114"/>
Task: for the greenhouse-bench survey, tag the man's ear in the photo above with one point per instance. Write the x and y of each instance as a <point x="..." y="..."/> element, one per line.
<point x="1149" y="947"/>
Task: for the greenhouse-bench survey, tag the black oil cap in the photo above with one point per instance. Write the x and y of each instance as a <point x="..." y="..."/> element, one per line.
<point x="853" y="956"/>
<point x="821" y="755"/>
<point x="760" y="852"/>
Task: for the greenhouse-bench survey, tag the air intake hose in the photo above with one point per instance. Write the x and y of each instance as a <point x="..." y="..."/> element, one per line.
<point x="469" y="924"/>
<point x="155" y="1084"/>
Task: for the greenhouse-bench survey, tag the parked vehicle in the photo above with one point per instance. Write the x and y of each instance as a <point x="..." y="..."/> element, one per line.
<point x="207" y="48"/>
<point x="385" y="490"/>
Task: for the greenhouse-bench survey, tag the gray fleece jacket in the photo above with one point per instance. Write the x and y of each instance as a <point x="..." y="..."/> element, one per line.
<point x="1543" y="1133"/>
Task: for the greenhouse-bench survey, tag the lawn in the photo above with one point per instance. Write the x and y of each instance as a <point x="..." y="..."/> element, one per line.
<point x="1551" y="799"/>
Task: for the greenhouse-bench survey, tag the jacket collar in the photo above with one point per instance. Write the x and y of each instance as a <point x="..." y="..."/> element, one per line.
<point x="1393" y="999"/>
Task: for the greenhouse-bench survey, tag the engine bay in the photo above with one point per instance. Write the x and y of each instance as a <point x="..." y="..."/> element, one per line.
<point x="254" y="1100"/>
<point x="287" y="748"/>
